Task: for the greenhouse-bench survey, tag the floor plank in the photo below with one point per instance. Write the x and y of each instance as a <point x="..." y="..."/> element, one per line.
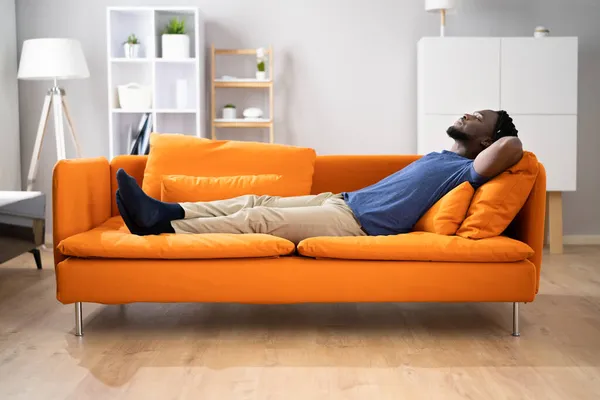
<point x="336" y="351"/>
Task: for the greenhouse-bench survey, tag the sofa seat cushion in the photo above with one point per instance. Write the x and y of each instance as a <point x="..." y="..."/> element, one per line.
<point x="416" y="246"/>
<point x="113" y="240"/>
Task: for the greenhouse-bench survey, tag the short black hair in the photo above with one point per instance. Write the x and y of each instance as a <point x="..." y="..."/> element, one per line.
<point x="504" y="126"/>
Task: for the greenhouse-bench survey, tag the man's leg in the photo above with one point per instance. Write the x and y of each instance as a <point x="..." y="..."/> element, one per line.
<point x="220" y="208"/>
<point x="333" y="218"/>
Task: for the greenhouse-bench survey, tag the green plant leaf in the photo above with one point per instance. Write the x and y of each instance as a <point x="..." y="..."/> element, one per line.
<point x="229" y="106"/>
<point x="175" y="27"/>
<point x="261" y="66"/>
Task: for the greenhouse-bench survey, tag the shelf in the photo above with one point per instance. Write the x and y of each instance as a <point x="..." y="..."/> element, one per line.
<point x="157" y="110"/>
<point x="239" y="52"/>
<point x="175" y="110"/>
<point x="190" y="60"/>
<point x="130" y="60"/>
<point x="242" y="83"/>
<point x="130" y="111"/>
<point x="243" y="123"/>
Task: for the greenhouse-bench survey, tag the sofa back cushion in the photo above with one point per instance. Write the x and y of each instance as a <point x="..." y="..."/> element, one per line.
<point x="446" y="215"/>
<point x="176" y="154"/>
<point x="496" y="203"/>
<point x="183" y="188"/>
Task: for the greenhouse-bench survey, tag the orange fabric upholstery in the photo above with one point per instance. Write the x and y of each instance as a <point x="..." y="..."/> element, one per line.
<point x="446" y="215"/>
<point x="172" y="154"/>
<point x="80" y="198"/>
<point x="291" y="280"/>
<point x="416" y="246"/>
<point x="497" y="203"/>
<point x="528" y="226"/>
<point x="347" y="173"/>
<point x="134" y="166"/>
<point x="113" y="240"/>
<point x="183" y="188"/>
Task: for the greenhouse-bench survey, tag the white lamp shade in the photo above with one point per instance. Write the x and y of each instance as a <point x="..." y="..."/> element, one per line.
<point x="436" y="5"/>
<point x="52" y="59"/>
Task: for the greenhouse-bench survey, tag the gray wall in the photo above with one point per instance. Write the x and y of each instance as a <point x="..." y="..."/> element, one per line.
<point x="345" y="71"/>
<point x="10" y="162"/>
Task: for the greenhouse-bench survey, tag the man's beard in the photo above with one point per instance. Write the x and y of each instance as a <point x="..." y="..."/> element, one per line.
<point x="457" y="134"/>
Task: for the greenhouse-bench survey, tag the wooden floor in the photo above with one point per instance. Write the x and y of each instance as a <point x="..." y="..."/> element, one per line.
<point x="340" y="351"/>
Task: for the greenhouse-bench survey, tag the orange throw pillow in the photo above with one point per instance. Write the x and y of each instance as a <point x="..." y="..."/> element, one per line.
<point x="446" y="215"/>
<point x="177" y="154"/>
<point x="183" y="188"/>
<point x="496" y="203"/>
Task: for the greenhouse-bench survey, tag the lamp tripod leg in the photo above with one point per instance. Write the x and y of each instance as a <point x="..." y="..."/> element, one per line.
<point x="39" y="139"/>
<point x="59" y="131"/>
<point x="70" y="123"/>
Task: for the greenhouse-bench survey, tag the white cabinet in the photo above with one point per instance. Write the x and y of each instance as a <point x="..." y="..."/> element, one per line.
<point x="534" y="80"/>
<point x="539" y="76"/>
<point x="459" y="75"/>
<point x="555" y="145"/>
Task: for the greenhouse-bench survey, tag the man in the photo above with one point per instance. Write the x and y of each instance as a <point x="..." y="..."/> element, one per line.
<point x="485" y="144"/>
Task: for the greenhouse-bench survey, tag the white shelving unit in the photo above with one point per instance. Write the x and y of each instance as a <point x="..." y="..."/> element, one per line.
<point x="147" y="23"/>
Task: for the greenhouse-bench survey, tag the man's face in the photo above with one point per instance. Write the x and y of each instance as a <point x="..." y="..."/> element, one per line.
<point x="477" y="127"/>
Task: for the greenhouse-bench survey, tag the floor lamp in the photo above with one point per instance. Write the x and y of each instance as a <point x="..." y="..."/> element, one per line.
<point x="441" y="6"/>
<point x="54" y="60"/>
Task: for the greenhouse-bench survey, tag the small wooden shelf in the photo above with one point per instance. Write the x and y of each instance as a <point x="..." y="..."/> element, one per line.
<point x="243" y="123"/>
<point x="239" y="52"/>
<point x="247" y="83"/>
<point x="242" y="83"/>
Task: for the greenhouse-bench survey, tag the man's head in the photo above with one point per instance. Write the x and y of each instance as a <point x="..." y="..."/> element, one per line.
<point x="479" y="130"/>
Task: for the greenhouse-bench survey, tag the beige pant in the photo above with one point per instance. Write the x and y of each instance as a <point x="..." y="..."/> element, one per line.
<point x="292" y="218"/>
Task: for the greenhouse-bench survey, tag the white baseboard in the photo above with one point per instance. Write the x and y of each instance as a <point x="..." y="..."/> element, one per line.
<point x="581" y="239"/>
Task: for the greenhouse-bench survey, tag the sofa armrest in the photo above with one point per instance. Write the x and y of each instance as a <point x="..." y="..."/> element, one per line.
<point x="528" y="226"/>
<point x="81" y="198"/>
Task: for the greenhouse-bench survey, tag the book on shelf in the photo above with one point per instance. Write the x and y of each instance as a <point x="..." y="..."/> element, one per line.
<point x="141" y="144"/>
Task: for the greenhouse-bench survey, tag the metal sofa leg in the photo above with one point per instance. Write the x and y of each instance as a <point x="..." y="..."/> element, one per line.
<point x="516" y="319"/>
<point x="78" y="319"/>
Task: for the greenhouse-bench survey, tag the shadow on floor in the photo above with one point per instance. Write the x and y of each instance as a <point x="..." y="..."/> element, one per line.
<point x="557" y="331"/>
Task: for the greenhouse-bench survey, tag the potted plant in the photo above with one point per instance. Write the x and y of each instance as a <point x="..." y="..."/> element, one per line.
<point x="132" y="46"/>
<point x="175" y="43"/>
<point x="229" y="112"/>
<point x="260" y="64"/>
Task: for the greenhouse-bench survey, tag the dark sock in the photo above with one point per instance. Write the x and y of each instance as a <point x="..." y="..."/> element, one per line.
<point x="145" y="211"/>
<point x="161" y="227"/>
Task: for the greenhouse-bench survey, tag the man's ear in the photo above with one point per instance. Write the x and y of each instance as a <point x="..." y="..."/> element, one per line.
<point x="487" y="142"/>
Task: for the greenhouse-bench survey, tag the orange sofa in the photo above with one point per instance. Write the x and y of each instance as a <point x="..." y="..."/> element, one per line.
<point x="110" y="266"/>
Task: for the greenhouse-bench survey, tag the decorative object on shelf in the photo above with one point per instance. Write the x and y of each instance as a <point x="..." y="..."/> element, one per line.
<point x="52" y="59"/>
<point x="260" y="54"/>
<point x="134" y="96"/>
<point x="260" y="64"/>
<point x="441" y="6"/>
<point x="252" y="112"/>
<point x="541" y="31"/>
<point x="175" y="42"/>
<point x="181" y="93"/>
<point x="141" y="144"/>
<point x="229" y="112"/>
<point x="132" y="47"/>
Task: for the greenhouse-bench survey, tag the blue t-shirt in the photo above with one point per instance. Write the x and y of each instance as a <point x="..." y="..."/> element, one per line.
<point x="395" y="204"/>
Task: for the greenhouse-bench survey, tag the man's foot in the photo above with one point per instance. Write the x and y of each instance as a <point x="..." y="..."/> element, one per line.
<point x="143" y="210"/>
<point x="135" y="228"/>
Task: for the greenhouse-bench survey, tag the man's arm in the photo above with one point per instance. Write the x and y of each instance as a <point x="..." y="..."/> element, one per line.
<point x="501" y="155"/>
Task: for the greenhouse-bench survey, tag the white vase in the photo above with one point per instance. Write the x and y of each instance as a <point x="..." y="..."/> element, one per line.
<point x="131" y="50"/>
<point x="261" y="75"/>
<point x="175" y="46"/>
<point x="229" y="113"/>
